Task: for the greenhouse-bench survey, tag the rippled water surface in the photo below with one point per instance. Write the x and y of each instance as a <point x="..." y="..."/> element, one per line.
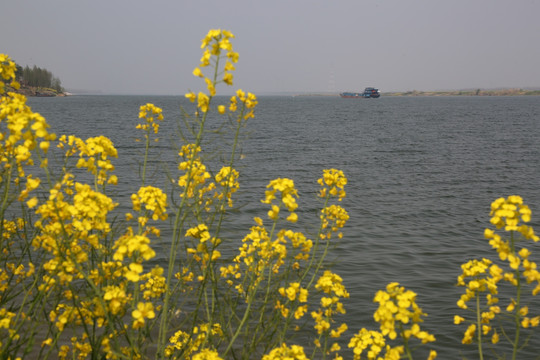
<point x="422" y="173"/>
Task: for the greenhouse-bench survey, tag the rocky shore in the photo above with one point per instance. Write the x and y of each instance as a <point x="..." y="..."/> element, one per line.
<point x="37" y="91"/>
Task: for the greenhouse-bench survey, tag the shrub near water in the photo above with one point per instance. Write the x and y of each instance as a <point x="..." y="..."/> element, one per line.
<point x="73" y="285"/>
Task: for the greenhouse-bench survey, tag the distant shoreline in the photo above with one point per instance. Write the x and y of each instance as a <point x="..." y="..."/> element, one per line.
<point x="476" y="92"/>
<point x="31" y="91"/>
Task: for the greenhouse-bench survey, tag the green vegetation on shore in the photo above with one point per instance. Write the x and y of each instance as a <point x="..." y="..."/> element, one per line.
<point x="36" y="81"/>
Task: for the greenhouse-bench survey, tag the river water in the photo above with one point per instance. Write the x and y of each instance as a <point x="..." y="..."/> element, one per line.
<point x="422" y="174"/>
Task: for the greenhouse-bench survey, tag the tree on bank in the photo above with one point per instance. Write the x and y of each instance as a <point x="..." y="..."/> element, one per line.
<point x="38" y="77"/>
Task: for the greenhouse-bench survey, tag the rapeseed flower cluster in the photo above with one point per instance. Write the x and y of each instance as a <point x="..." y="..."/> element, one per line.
<point x="287" y="198"/>
<point x="397" y="307"/>
<point x="205" y="251"/>
<point x="92" y="278"/>
<point x="293" y="352"/>
<point x="301" y="246"/>
<point x="153" y="201"/>
<point x="333" y="290"/>
<point x="66" y="265"/>
<point x="7" y="325"/>
<point x="214" y="44"/>
<point x="7" y="72"/>
<point x="227" y="178"/>
<point x="397" y="314"/>
<point x="258" y="251"/>
<point x="288" y="256"/>
<point x="91" y="272"/>
<point x="206" y="354"/>
<point x="73" y="220"/>
<point x="480" y="276"/>
<point x="333" y="183"/>
<point x="21" y="132"/>
<point x="198" y="184"/>
<point x="150" y="113"/>
<point x="94" y="156"/>
<point x="154" y="284"/>
<point x="205" y="194"/>
<point x="193" y="342"/>
<point x="296" y="295"/>
<point x="218" y="47"/>
<point x="195" y="178"/>
<point x="333" y="218"/>
<point x="375" y="343"/>
<point x="248" y="101"/>
<point x="510" y="215"/>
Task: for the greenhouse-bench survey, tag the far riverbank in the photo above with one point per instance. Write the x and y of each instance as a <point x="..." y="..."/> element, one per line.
<point x="476" y="92"/>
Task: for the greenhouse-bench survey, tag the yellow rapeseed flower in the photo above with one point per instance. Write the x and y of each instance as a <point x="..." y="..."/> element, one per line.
<point x="203" y="101"/>
<point x="206" y="354"/>
<point x="294" y="352"/>
<point x="143" y="311"/>
<point x="197" y="72"/>
<point x="8" y="68"/>
<point x="191" y="96"/>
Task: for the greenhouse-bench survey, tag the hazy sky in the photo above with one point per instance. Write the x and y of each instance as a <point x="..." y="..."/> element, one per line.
<point x="151" y="47"/>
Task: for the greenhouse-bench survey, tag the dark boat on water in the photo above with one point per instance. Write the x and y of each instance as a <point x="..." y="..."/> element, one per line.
<point x="368" y="93"/>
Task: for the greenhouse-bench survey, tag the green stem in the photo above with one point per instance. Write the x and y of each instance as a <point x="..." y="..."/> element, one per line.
<point x="243" y="321"/>
<point x="517" y="316"/>
<point x="262" y="312"/>
<point x="147" y="146"/>
<point x="178" y="225"/>
<point x="517" y="320"/>
<point x="406" y="342"/>
<point x="479" y="327"/>
<point x="315" y="248"/>
<point x="250" y="298"/>
<point x="5" y="196"/>
<point x="211" y="303"/>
